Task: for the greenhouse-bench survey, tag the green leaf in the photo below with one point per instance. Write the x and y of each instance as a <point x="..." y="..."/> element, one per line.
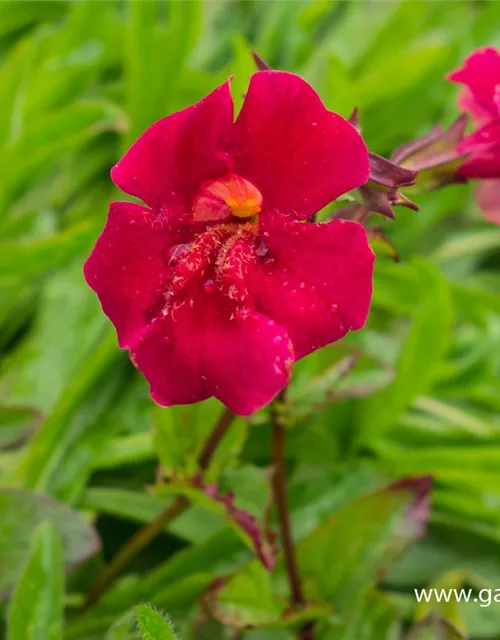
<point x="196" y="525"/>
<point x="21" y="512"/>
<point x="369" y="533"/>
<point x="177" y="598"/>
<point x="190" y="566"/>
<point x="156" y="51"/>
<point x="152" y="625"/>
<point x="348" y="377"/>
<point x="36" y="608"/>
<point x="15" y="424"/>
<point x="124" y="628"/>
<point x="39" y="257"/>
<point x="245" y="599"/>
<point x="434" y="628"/>
<point x="420" y="358"/>
<point x="66" y="332"/>
<point x="472" y="242"/>
<point x="126" y="450"/>
<point x="180" y="433"/>
<point x="449" y="611"/>
<point x="474" y="465"/>
<point x="373" y="618"/>
<point x="255" y="534"/>
<point x="42" y="145"/>
<point x="46" y="463"/>
<point x="15" y="16"/>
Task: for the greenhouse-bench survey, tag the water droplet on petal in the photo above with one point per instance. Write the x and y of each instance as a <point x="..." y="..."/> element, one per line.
<point x="261" y="250"/>
<point x="209" y="286"/>
<point x="176" y="253"/>
<point x="278" y="366"/>
<point x="314" y="124"/>
<point x="132" y="222"/>
<point x="269" y="263"/>
<point x="278" y="339"/>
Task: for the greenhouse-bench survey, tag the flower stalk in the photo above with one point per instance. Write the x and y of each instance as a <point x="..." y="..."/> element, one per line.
<point x="278" y="427"/>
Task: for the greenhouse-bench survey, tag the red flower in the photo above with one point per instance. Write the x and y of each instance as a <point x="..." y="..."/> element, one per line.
<point x="218" y="285"/>
<point x="481" y="98"/>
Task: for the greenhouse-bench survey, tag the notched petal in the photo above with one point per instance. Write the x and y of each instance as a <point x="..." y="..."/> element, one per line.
<point x="166" y="165"/>
<point x="299" y="155"/>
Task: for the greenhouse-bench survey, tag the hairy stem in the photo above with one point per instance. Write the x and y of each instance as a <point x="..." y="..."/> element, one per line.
<point x="280" y="496"/>
<point x="152" y="530"/>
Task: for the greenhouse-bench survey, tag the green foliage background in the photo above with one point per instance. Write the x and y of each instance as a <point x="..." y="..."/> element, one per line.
<point x="78" y="82"/>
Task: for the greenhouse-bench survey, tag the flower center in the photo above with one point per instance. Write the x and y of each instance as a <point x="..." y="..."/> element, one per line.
<point x="229" y="196"/>
<point x="217" y="260"/>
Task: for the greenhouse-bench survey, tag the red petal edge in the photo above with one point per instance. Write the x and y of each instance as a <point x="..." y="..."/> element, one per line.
<point x="166" y="165"/>
<point x="244" y="361"/>
<point x="297" y="153"/>
<point x="127" y="267"/>
<point x="315" y="281"/>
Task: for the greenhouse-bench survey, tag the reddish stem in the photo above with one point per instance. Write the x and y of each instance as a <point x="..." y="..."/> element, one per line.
<point x="280" y="496"/>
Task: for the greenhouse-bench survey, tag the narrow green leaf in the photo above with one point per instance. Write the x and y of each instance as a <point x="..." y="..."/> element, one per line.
<point x="41" y="464"/>
<point x="36" y="609"/>
<point x="15" y="424"/>
<point x="21" y="512"/>
<point x="384" y="522"/>
<point x="126" y="450"/>
<point x="418" y="364"/>
<point x="38" y="257"/>
<point x="374" y="618"/>
<point x="475" y="465"/>
<point x="196" y="525"/>
<point x="473" y="242"/>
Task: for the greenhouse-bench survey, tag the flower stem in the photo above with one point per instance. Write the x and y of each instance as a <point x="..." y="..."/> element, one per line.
<point x="144" y="536"/>
<point x="280" y="496"/>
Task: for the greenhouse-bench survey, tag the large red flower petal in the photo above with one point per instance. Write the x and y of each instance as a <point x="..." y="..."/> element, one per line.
<point x="315" y="280"/>
<point x="297" y="153"/>
<point x="168" y="162"/>
<point x="247" y="361"/>
<point x="127" y="267"/>
<point x="169" y="355"/>
<point x="480" y="73"/>
<point x="488" y="199"/>
<point x="243" y="361"/>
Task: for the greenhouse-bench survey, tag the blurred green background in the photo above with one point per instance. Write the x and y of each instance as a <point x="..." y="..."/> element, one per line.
<point x="79" y="81"/>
